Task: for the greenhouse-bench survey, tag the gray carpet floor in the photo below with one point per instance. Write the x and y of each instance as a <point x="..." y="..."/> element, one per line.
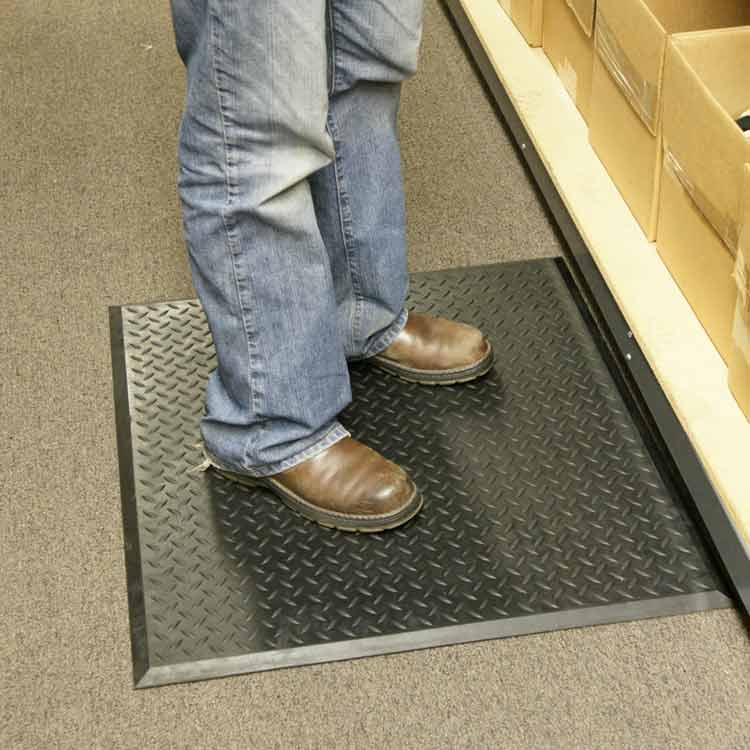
<point x="91" y="96"/>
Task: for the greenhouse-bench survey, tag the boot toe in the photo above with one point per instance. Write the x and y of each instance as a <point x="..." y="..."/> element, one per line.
<point x="475" y="346"/>
<point x="391" y="496"/>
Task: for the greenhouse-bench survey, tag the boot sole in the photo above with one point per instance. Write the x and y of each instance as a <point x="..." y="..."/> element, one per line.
<point x="437" y="377"/>
<point x="327" y="518"/>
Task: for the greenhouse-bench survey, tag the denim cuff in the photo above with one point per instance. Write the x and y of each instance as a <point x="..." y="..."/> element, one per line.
<point x="388" y="336"/>
<point x="314" y="445"/>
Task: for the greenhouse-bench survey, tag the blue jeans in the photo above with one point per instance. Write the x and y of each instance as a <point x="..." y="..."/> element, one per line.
<point x="293" y="209"/>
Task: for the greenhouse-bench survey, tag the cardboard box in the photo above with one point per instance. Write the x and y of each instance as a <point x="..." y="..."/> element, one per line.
<point x="698" y="261"/>
<point x="702" y="190"/>
<point x="568" y="42"/>
<point x="739" y="357"/>
<point x="527" y="16"/>
<point x="625" y="108"/>
<point x="585" y="12"/>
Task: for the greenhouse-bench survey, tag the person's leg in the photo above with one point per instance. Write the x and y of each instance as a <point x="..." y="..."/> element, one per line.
<point x="359" y="199"/>
<point x="253" y="131"/>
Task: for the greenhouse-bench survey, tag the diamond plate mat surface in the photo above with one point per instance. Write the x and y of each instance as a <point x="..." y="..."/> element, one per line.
<point x="539" y="497"/>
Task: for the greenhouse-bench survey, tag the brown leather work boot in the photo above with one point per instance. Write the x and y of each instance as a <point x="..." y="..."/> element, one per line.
<point x="347" y="486"/>
<point x="436" y="351"/>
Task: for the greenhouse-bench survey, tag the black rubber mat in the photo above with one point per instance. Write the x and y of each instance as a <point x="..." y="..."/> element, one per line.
<point x="543" y="508"/>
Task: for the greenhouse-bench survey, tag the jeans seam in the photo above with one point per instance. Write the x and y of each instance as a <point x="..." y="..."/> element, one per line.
<point x="333" y="435"/>
<point x="346" y="233"/>
<point x="331" y="49"/>
<point x="336" y="433"/>
<point x="342" y="199"/>
<point x="231" y="188"/>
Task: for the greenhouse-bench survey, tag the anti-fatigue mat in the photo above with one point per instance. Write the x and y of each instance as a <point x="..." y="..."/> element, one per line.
<point x="543" y="509"/>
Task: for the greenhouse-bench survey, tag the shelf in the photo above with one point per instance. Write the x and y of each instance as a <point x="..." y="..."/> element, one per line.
<point x="689" y="370"/>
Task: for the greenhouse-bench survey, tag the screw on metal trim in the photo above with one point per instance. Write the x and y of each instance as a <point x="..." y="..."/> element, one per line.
<point x="628" y="356"/>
